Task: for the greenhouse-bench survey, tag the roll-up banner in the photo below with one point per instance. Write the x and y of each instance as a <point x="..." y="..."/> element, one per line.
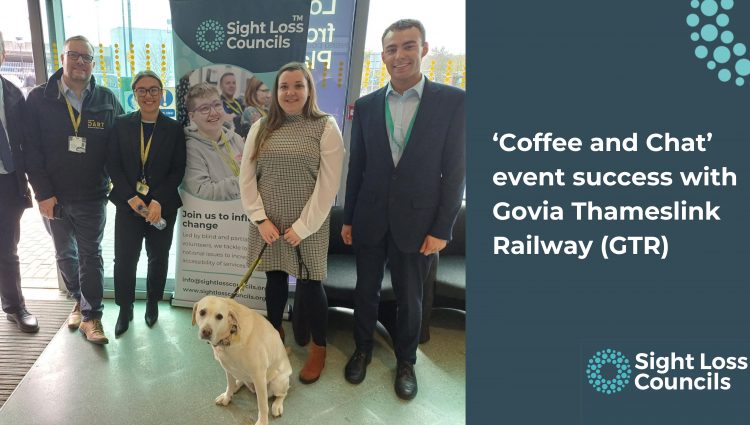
<point x="225" y="43"/>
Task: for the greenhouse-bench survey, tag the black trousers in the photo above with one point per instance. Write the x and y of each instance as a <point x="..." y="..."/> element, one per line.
<point x="408" y="273"/>
<point x="11" y="210"/>
<point x="310" y="303"/>
<point x="130" y="231"/>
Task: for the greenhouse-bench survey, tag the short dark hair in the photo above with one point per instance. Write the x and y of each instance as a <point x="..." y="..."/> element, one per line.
<point x="146" y="73"/>
<point x="404" y="24"/>
<point x="226" y="74"/>
<point x="80" y="38"/>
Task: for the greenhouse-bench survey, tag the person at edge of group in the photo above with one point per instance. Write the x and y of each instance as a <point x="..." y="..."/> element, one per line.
<point x="213" y="152"/>
<point x="67" y="124"/>
<point x="232" y="106"/>
<point x="403" y="193"/>
<point x="290" y="174"/>
<point x="257" y="101"/>
<point x="146" y="163"/>
<point x="14" y="199"/>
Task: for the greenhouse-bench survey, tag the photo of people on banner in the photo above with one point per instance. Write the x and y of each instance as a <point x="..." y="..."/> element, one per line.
<point x="212" y="104"/>
<point x="221" y="92"/>
<point x="217" y="120"/>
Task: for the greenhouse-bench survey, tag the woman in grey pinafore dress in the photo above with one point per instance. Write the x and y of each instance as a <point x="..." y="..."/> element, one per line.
<point x="289" y="177"/>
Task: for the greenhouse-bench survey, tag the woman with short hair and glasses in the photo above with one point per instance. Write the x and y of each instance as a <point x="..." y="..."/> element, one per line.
<point x="213" y="152"/>
<point x="290" y="174"/>
<point x="146" y="163"/>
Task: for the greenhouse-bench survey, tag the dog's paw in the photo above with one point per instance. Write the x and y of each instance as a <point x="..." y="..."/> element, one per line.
<point x="277" y="408"/>
<point x="223" y="399"/>
<point x="262" y="421"/>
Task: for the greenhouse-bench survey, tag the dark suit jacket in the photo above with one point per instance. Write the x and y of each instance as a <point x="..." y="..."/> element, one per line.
<point x="423" y="194"/>
<point x="165" y="166"/>
<point x="14" y="105"/>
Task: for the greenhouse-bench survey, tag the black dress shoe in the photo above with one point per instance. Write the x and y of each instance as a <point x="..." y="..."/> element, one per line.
<point x="25" y="321"/>
<point x="356" y="367"/>
<point x="152" y="313"/>
<point x="406" y="381"/>
<point x="123" y="320"/>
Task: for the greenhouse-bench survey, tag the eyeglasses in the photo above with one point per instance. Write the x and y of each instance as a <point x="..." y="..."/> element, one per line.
<point x="264" y="90"/>
<point x="206" y="109"/>
<point x="75" y="55"/>
<point x="153" y="91"/>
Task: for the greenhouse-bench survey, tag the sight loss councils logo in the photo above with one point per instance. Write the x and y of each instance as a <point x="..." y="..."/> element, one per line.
<point x="210" y="35"/>
<point x="608" y="371"/>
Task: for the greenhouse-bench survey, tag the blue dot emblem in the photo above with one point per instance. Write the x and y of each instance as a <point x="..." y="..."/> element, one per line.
<point x="715" y="42"/>
<point x="617" y="371"/>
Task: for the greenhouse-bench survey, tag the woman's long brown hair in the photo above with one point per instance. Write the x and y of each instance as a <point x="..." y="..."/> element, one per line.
<point x="277" y="116"/>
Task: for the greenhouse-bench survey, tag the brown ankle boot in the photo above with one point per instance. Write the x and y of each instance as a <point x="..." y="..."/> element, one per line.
<point x="316" y="360"/>
<point x="281" y="332"/>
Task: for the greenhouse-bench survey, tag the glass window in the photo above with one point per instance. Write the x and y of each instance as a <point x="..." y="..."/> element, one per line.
<point x="18" y="67"/>
<point x="128" y="36"/>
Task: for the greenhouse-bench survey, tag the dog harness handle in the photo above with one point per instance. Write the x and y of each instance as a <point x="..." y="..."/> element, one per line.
<point x="249" y="272"/>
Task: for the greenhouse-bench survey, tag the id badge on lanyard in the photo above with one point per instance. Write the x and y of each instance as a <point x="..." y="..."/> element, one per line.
<point x="76" y="144"/>
<point x="141" y="187"/>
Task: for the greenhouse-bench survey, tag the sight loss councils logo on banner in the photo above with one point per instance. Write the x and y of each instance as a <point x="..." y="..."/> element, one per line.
<point x="210" y="35"/>
<point x="258" y="35"/>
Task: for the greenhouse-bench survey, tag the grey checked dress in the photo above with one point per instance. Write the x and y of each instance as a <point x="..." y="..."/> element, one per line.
<point x="286" y="174"/>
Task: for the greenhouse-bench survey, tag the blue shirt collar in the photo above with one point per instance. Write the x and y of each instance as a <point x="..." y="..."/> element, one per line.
<point x="417" y="88"/>
<point x="68" y="92"/>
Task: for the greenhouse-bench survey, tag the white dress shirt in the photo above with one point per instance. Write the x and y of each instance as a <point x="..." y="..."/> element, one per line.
<point x="403" y="108"/>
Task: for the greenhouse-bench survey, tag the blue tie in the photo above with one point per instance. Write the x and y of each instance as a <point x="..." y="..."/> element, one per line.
<point x="5" y="154"/>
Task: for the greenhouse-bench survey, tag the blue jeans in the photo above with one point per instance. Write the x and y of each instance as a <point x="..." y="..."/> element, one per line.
<point x="78" y="246"/>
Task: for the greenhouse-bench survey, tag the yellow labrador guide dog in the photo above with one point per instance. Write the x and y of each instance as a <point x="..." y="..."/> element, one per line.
<point x="248" y="348"/>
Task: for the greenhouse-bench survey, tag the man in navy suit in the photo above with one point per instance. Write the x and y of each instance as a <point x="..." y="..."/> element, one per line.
<point x="14" y="199"/>
<point x="403" y="192"/>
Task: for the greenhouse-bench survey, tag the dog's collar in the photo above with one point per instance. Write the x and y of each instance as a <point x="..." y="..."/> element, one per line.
<point x="228" y="340"/>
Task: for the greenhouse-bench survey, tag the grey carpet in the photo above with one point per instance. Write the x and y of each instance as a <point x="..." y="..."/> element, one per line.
<point x="18" y="350"/>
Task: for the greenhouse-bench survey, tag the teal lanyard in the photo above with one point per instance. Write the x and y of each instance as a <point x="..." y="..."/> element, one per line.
<point x="389" y="123"/>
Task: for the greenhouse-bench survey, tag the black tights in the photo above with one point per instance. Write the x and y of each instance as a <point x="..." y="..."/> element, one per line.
<point x="310" y="303"/>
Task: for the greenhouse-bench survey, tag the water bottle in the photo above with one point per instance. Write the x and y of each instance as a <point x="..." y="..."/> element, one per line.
<point x="143" y="211"/>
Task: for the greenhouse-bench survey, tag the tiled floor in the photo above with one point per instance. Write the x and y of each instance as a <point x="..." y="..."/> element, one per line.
<point x="36" y="252"/>
<point x="166" y="375"/>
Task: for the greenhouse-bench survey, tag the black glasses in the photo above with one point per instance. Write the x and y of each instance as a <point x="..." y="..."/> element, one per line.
<point x="206" y="109"/>
<point x="153" y="91"/>
<point x="75" y="55"/>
